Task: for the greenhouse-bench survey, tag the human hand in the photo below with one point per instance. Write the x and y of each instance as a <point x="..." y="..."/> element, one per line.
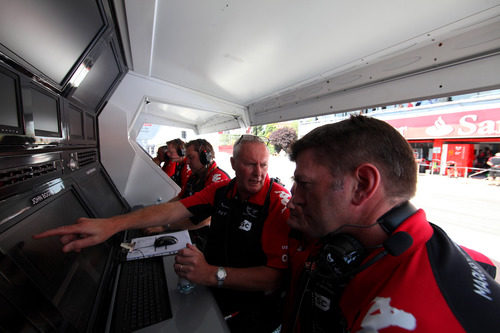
<point x="190" y="263"/>
<point x="86" y="232"/>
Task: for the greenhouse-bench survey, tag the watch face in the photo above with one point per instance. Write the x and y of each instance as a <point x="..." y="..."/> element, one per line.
<point x="221" y="274"/>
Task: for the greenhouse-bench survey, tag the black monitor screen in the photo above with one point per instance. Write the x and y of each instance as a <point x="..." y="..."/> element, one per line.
<point x="89" y="127"/>
<point x="9" y="115"/>
<point x="50" y="35"/>
<point x="75" y="122"/>
<point x="101" y="195"/>
<point x="100" y="79"/>
<point x="45" y="113"/>
<point x="69" y="281"/>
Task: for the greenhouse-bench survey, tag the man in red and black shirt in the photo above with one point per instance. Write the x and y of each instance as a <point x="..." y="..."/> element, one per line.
<point x="368" y="261"/>
<point x="177" y="167"/>
<point x="200" y="157"/>
<point x="204" y="172"/>
<point x="247" y="246"/>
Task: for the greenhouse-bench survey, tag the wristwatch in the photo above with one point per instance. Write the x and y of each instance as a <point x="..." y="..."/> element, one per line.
<point x="221" y="276"/>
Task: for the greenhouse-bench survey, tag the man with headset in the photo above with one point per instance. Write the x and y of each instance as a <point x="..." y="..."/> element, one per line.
<point x="177" y="168"/>
<point x="161" y="158"/>
<point x="379" y="265"/>
<point x="204" y="172"/>
<point x="246" y="253"/>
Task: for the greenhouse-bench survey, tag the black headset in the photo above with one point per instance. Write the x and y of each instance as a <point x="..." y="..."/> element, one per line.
<point x="339" y="260"/>
<point x="206" y="157"/>
<point x="181" y="151"/>
<point x="341" y="254"/>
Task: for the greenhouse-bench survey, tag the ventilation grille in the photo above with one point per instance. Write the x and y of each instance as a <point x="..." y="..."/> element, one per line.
<point x="23" y="174"/>
<point x="87" y="157"/>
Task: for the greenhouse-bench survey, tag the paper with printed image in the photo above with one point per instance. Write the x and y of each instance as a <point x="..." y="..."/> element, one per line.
<point x="144" y="247"/>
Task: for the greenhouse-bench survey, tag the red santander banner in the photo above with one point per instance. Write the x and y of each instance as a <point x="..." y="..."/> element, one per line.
<point x="463" y="124"/>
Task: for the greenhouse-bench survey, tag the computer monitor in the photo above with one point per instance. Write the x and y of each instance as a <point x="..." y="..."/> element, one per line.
<point x="62" y="287"/>
<point x="75" y="116"/>
<point x="10" y="103"/>
<point x="50" y="38"/>
<point x="46" y="112"/>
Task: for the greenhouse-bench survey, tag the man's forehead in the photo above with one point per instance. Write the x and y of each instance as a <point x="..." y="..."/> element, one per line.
<point x="254" y="148"/>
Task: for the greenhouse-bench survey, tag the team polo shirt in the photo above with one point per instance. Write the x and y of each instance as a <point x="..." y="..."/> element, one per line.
<point x="434" y="286"/>
<point x="232" y="240"/>
<point x="178" y="171"/>
<point x="214" y="175"/>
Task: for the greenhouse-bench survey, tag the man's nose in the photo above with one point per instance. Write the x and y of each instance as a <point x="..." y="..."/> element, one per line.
<point x="257" y="169"/>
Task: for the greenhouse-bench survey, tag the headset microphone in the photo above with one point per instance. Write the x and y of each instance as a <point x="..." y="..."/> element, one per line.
<point x="395" y="245"/>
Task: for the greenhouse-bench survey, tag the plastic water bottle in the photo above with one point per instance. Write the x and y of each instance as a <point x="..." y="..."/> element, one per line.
<point x="184" y="286"/>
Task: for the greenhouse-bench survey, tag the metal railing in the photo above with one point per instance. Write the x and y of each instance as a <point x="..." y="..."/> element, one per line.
<point x="434" y="168"/>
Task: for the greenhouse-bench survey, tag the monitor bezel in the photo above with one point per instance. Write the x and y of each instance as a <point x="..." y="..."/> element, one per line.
<point x="20" y="129"/>
<point x="43" y="133"/>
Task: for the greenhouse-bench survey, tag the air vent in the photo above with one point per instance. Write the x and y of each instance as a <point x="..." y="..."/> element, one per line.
<point x="87" y="157"/>
<point x="23" y="174"/>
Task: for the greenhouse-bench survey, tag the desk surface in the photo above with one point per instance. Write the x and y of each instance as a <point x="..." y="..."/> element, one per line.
<point x="196" y="312"/>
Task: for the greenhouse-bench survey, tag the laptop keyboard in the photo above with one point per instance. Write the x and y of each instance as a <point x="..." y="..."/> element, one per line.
<point x="142" y="296"/>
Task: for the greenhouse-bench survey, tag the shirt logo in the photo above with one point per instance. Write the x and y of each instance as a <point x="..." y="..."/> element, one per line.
<point x="223" y="209"/>
<point x="285" y="197"/>
<point x="321" y="302"/>
<point x="245" y="225"/>
<point x="251" y="212"/>
<point x="480" y="282"/>
<point x="216" y="178"/>
<point x="382" y="315"/>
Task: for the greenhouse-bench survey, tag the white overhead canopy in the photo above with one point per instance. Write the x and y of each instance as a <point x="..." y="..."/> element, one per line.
<point x="278" y="59"/>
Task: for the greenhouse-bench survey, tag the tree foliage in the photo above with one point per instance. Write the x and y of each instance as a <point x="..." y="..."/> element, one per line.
<point x="282" y="138"/>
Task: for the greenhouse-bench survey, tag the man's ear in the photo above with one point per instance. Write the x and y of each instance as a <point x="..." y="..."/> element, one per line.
<point x="232" y="163"/>
<point x="367" y="178"/>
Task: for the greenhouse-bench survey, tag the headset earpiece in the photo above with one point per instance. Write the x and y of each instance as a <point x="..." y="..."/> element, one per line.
<point x="340" y="254"/>
<point x="205" y="155"/>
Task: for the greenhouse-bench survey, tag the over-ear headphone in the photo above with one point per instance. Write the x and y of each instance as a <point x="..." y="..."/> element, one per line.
<point x="337" y="262"/>
<point x="204" y="153"/>
<point x="181" y="151"/>
<point x="341" y="254"/>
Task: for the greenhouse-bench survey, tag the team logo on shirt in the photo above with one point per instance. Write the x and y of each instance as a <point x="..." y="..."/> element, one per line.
<point x="285" y="197"/>
<point x="223" y="210"/>
<point x="382" y="315"/>
<point x="251" y="211"/>
<point x="245" y="225"/>
<point x="322" y="302"/>
<point x="216" y="178"/>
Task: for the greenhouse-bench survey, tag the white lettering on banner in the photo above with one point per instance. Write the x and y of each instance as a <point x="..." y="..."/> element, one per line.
<point x="463" y="122"/>
<point x="382" y="315"/>
<point x="487" y="127"/>
<point x="285" y="197"/>
<point x="469" y="127"/>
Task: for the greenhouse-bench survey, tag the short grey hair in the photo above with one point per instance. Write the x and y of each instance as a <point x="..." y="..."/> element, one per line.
<point x="244" y="139"/>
